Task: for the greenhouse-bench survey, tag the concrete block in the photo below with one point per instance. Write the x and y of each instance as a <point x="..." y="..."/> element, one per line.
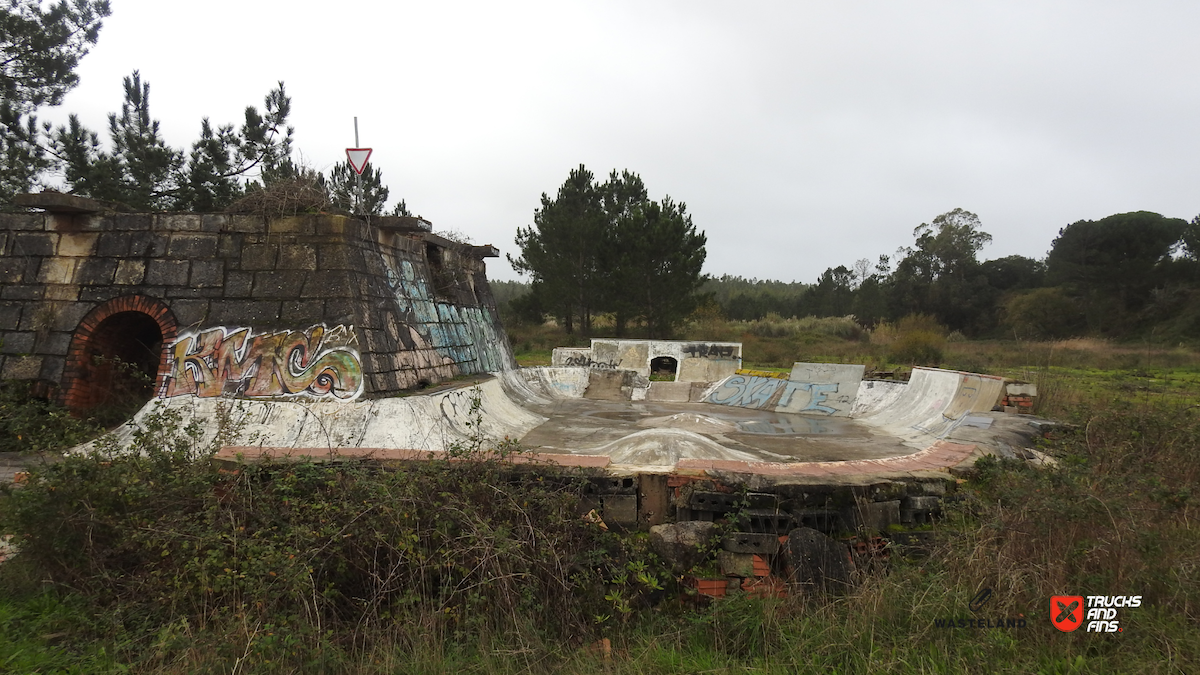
<point x="190" y="312"/>
<point x="10" y="313"/>
<point x="52" y="368"/>
<point x="252" y="313"/>
<point x="761" y="543"/>
<point x="55" y="344"/>
<point x="21" y="292"/>
<point x="620" y="509"/>
<point x="669" y="391"/>
<point x="213" y="222"/>
<point x="873" y="516"/>
<point x="246" y="224"/>
<point x="147" y="244"/>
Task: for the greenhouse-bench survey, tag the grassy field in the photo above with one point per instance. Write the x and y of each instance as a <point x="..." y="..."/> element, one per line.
<point x="1115" y="516"/>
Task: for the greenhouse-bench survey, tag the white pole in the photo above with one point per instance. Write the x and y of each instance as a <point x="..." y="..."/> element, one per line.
<point x="358" y="176"/>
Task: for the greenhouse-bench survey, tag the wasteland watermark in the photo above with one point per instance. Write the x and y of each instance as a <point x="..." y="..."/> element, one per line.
<point x="976" y="606"/>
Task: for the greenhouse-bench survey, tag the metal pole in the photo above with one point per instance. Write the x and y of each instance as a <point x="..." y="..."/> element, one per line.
<point x="358" y="176"/>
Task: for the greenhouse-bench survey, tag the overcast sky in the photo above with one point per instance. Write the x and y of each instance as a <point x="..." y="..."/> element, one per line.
<point x="801" y="135"/>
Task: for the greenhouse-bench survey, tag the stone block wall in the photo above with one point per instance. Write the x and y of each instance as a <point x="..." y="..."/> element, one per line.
<point x="334" y="305"/>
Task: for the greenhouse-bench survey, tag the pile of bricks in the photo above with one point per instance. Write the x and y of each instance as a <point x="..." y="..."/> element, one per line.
<point x="747" y="562"/>
<point x="1018" y="398"/>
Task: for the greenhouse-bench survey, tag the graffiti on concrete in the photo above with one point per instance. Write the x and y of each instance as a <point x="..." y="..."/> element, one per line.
<point x="748" y="391"/>
<point x="586" y="361"/>
<point x="318" y="362"/>
<point x="464" y="338"/>
<point x="709" y="351"/>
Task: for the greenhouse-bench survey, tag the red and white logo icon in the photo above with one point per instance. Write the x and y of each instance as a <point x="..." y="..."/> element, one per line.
<point x="1066" y="612"/>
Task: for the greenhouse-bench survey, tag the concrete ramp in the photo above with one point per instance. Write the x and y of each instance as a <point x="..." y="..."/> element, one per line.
<point x="933" y="403"/>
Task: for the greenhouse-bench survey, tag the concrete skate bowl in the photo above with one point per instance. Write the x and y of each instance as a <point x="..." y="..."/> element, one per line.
<point x="821" y="424"/>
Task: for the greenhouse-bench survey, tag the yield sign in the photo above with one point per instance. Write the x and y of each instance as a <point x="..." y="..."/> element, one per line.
<point x="358" y="158"/>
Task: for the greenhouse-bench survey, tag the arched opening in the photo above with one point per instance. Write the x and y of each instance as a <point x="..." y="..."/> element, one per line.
<point x="116" y="357"/>
<point x="663" y="368"/>
<point x="120" y="364"/>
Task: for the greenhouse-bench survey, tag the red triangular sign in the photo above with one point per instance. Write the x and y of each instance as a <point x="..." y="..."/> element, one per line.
<point x="358" y="158"/>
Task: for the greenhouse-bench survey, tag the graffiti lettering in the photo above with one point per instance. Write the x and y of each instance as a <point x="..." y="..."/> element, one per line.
<point x="315" y="363"/>
<point x="748" y="391"/>
<point x="585" y="361"/>
<point x="709" y="351"/>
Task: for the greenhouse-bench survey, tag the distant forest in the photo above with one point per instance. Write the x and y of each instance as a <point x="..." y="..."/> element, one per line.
<point x="1127" y="275"/>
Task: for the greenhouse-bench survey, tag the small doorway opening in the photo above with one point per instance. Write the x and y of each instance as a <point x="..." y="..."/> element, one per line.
<point x="119" y="366"/>
<point x="663" y="369"/>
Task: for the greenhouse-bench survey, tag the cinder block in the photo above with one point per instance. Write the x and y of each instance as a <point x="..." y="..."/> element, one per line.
<point x="762" y="543"/>
<point x="621" y="509"/>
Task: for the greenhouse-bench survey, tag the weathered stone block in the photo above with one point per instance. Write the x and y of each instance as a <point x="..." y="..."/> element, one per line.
<point x="21" y="292"/>
<point x="68" y="316"/>
<point x="17" y="343"/>
<point x="246" y="224"/>
<point x="252" y="313"/>
<point x="96" y="271"/>
<point x="34" y="243"/>
<point x="292" y="225"/>
<point x="55" y="343"/>
<point x="178" y="222"/>
<point x="190" y="312"/>
<point x="52" y="368"/>
<point x="334" y="257"/>
<point x="190" y="292"/>
<point x="97" y="294"/>
<point x="57" y="271"/>
<point x="735" y="564"/>
<point x="10" y="313"/>
<point x="208" y="273"/>
<point x="239" y="284"/>
<point x="12" y="270"/>
<point x="22" y="368"/>
<point x="279" y="284"/>
<point x="302" y="312"/>
<point x="23" y="221"/>
<point x="77" y="244"/>
<point x="297" y="257"/>
<point x="818" y="561"/>
<point x="148" y="244"/>
<point x="324" y="286"/>
<point x="113" y="244"/>
<point x="682" y="545"/>
<point x="62" y="292"/>
<point x="192" y="246"/>
<point x="213" y="222"/>
<point x="259" y="256"/>
<point x="130" y="272"/>
<point x="138" y="222"/>
<point x="167" y="272"/>
<point x="229" y="246"/>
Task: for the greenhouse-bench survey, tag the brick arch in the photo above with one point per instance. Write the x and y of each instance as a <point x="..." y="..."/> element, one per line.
<point x="105" y="331"/>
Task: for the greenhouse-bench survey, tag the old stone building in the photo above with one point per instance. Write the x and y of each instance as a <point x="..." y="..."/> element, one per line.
<point x="309" y="306"/>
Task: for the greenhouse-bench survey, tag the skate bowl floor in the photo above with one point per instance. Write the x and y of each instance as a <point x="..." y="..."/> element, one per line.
<point x="937" y="421"/>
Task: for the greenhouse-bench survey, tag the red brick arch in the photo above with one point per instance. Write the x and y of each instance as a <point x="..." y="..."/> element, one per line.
<point x="100" y="334"/>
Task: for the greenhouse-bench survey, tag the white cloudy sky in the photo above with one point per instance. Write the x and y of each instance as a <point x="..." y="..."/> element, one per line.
<point x="801" y="135"/>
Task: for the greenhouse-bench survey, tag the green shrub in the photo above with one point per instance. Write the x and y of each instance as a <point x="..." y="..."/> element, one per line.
<point x="30" y="424"/>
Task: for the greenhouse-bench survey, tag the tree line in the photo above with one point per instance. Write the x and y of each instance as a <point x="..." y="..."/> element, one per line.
<point x="607" y="248"/>
<point x="136" y="168"/>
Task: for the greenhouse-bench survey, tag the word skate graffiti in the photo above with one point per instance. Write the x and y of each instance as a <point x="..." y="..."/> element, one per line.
<point x="318" y="362"/>
<point x="585" y="361"/>
<point x="710" y="351"/>
<point x="768" y="392"/>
